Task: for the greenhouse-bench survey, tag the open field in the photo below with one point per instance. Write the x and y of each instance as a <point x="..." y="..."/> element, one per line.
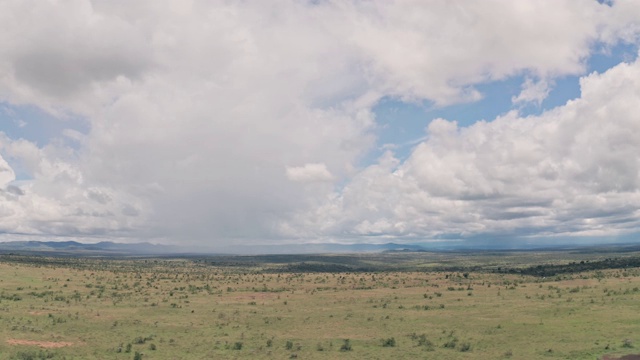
<point x="376" y="306"/>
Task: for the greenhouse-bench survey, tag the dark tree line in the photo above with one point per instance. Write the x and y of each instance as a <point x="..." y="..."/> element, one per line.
<point x="574" y="267"/>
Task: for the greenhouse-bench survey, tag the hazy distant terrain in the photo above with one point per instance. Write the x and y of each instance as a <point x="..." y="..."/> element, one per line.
<point x="144" y="248"/>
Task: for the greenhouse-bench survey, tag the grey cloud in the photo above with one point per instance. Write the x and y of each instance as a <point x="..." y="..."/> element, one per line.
<point x="12" y="189"/>
<point x="54" y="54"/>
<point x="511" y="214"/>
<point x="129" y="210"/>
<point x="99" y="196"/>
<point x="62" y="74"/>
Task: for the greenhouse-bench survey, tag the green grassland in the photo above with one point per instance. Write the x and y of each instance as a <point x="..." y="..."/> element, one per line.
<point x="373" y="306"/>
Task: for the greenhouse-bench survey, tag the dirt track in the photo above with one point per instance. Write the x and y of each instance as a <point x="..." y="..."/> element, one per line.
<point x="42" y="344"/>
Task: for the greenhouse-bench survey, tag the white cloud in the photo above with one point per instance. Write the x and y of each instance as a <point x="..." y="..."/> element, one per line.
<point x="195" y="108"/>
<point x="7" y="174"/>
<point x="570" y="171"/>
<point x="440" y="50"/>
<point x="20" y="123"/>
<point x="309" y="173"/>
<point x="57" y="201"/>
<point x="532" y="91"/>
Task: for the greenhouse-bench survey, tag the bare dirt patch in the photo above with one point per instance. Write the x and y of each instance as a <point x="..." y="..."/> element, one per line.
<point x="42" y="344"/>
<point x="256" y="296"/>
<point x="625" y="357"/>
<point x="38" y="312"/>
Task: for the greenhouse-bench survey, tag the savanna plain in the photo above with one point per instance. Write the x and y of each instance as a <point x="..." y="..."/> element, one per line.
<point x="396" y="305"/>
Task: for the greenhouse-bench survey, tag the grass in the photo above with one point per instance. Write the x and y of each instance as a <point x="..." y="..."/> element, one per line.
<point x="191" y="308"/>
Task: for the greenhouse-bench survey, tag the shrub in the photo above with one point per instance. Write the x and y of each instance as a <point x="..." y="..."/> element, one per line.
<point x="423" y="341"/>
<point x="237" y="345"/>
<point x="451" y="344"/>
<point x="346" y="346"/>
<point x="390" y="342"/>
<point x="33" y="355"/>
<point x="508" y="354"/>
<point x="289" y="345"/>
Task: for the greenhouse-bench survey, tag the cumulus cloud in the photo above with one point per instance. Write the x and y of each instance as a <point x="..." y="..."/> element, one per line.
<point x="218" y="121"/>
<point x="571" y="171"/>
<point x="56" y="200"/>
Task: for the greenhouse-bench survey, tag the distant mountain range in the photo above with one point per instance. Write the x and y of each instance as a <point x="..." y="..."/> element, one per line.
<point x="144" y="248"/>
<point x="108" y="248"/>
<point x="77" y="248"/>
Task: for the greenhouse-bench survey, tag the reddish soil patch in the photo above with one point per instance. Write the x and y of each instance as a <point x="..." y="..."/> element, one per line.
<point x="42" y="344"/>
<point x="625" y="357"/>
<point x="257" y="296"/>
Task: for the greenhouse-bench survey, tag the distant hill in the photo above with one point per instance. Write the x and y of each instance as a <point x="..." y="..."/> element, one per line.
<point x="144" y="248"/>
<point x="77" y="248"/>
<point x="324" y="248"/>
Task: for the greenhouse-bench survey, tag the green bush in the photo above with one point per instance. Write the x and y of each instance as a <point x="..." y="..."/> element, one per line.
<point x="346" y="346"/>
<point x="390" y="342"/>
<point x="451" y="344"/>
<point x="34" y="355"/>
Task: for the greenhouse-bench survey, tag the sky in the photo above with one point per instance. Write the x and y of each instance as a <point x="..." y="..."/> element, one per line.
<point x="229" y="123"/>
